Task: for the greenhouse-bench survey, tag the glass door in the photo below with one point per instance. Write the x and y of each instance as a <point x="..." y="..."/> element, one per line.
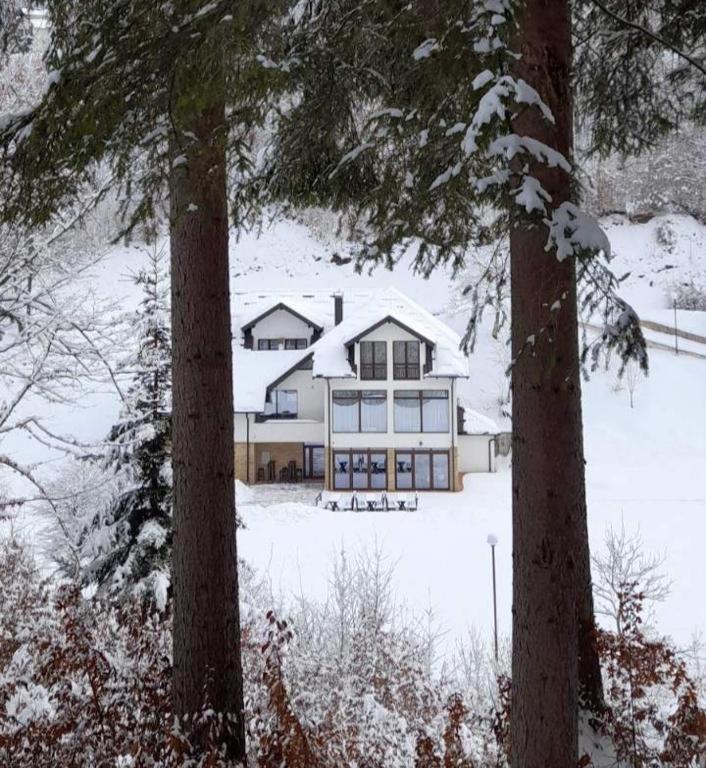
<point x="314" y="462"/>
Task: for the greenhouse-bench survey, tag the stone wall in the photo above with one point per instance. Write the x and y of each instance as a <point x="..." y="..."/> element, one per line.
<point x="261" y="453"/>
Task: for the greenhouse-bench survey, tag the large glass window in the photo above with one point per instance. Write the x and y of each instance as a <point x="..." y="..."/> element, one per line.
<point x="422" y="470"/>
<point x="405" y="478"/>
<point x="341" y="470"/>
<point x="408" y="414"/>
<point x="425" y="410"/>
<point x="282" y="404"/>
<point x="373" y="411"/>
<point x="359" y="411"/>
<point x="346" y="411"/>
<point x="405" y="359"/>
<point x="440" y="470"/>
<point x="373" y="360"/>
<point x="435" y="410"/>
<point x="360" y="470"/>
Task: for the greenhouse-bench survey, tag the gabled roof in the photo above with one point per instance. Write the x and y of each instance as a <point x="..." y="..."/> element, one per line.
<point x="390" y="305"/>
<point x="287" y="308"/>
<point x="258" y="371"/>
<point x="253" y="371"/>
<point x="383" y="321"/>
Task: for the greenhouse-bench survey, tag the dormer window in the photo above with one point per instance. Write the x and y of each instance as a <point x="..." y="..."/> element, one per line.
<point x="373" y="360"/>
<point x="405" y="359"/>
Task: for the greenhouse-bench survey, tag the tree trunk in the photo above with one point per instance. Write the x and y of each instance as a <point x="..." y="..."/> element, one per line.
<point x="207" y="662"/>
<point x="552" y="601"/>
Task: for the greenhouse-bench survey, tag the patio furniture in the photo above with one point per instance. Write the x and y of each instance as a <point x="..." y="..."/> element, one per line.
<point x="292" y="471"/>
<point x="333" y="502"/>
<point x="373" y="502"/>
<point x="260" y="474"/>
<point x="284" y="475"/>
<point x="408" y="502"/>
<point x="271" y="476"/>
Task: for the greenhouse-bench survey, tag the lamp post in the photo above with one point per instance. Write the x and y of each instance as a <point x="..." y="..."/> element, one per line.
<point x="676" y="332"/>
<point x="493" y="540"/>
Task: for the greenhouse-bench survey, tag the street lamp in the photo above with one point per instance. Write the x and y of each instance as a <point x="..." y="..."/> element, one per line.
<point x="493" y="540"/>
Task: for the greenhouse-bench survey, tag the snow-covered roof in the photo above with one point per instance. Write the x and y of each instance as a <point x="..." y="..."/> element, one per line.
<point x="331" y="354"/>
<point x="298" y="307"/>
<point x="475" y="423"/>
<point x="255" y="371"/>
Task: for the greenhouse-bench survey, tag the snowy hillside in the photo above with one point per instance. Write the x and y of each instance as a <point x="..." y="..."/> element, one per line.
<point x="646" y="465"/>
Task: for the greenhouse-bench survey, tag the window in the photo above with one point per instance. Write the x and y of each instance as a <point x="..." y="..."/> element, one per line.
<point x="373" y="359"/>
<point x="435" y="410"/>
<point x="422" y="470"/>
<point x="408" y="414"/>
<point x="269" y="344"/>
<point x="282" y="404"/>
<point x="405" y="359"/>
<point x="359" y="411"/>
<point x="360" y="470"/>
<point x="276" y="344"/>
<point x="425" y="410"/>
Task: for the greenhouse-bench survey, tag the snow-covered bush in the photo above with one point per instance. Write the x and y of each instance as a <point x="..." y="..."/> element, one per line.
<point x="690" y="296"/>
<point x="654" y="712"/>
<point x="86" y="683"/>
<point x="347" y="682"/>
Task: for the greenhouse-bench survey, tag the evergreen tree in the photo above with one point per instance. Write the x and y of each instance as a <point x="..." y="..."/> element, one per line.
<point x="458" y="119"/>
<point x="163" y="97"/>
<point x="139" y="521"/>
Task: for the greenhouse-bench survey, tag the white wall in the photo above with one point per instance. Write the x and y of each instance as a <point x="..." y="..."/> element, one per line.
<point x="281" y="325"/>
<point x="311" y="426"/>
<point x="308" y="427"/>
<point x="390" y="332"/>
<point x="475" y="452"/>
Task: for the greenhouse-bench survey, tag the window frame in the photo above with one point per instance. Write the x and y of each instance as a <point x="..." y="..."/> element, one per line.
<point x="430" y="452"/>
<point x="404" y="373"/>
<point x="420" y="396"/>
<point x="276" y="414"/>
<point x="373" y="369"/>
<point x="349" y="452"/>
<point x="360" y="395"/>
<point x="288" y="344"/>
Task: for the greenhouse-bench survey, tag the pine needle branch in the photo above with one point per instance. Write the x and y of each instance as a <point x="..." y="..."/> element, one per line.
<point x="650" y="33"/>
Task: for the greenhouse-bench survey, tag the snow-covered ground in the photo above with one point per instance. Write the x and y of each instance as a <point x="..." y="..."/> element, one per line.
<point x="646" y="465"/>
<point x="646" y="470"/>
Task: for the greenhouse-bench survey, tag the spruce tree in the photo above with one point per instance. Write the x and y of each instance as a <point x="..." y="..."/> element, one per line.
<point x="139" y="523"/>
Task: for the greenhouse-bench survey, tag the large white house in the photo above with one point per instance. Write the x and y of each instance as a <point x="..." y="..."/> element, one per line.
<point x="357" y="392"/>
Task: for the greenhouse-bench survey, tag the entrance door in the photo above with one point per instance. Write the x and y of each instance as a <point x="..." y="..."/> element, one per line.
<point x="314" y="462"/>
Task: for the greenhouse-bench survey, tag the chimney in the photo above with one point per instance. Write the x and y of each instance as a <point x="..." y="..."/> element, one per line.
<point x="337" y="308"/>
